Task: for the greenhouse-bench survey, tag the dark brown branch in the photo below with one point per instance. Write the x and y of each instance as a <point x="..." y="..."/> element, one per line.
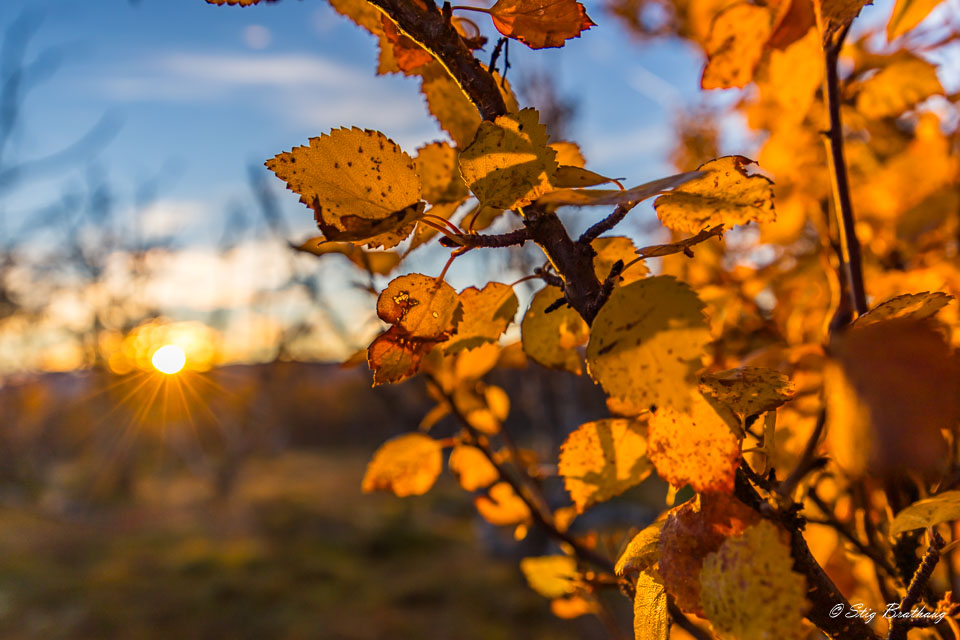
<point x="685" y="623"/>
<point x="853" y="261"/>
<point x="438" y="36"/>
<point x="821" y="591"/>
<point x="551" y="279"/>
<point x="606" y="224"/>
<point x="491" y="241"/>
<point x="900" y="626"/>
<point x="808" y="460"/>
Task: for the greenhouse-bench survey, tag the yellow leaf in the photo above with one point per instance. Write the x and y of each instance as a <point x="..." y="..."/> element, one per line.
<point x="472" y="468"/>
<point x="421" y="306"/>
<point x="902" y="84"/>
<point x="684" y="246"/>
<point x="439" y="173"/>
<point x="749" y="588"/>
<point x="509" y="164"/>
<point x="393" y="356"/>
<point x="599" y="197"/>
<point x="356" y="181"/>
<point x="735" y="45"/>
<point x="793" y="77"/>
<point x="642" y="552"/>
<point x="498" y="401"/>
<point x="552" y="338"/>
<point x="502" y="506"/>
<point x="407" y="465"/>
<point x="573" y="607"/>
<point x="646" y="342"/>
<point x="651" y="620"/>
<point x="567" y="177"/>
<point x="834" y="15"/>
<point x="696" y="447"/>
<point x="550" y="576"/>
<point x="907" y="14"/>
<point x="378" y="262"/>
<point x="748" y="390"/>
<point x="892" y="387"/>
<point x="486" y="314"/>
<point x="452" y="108"/>
<point x="909" y="305"/>
<point x="609" y="251"/>
<point x="602" y="459"/>
<point x="725" y="195"/>
<point x="943" y="507"/>
<point x="361" y="13"/>
<point x="540" y="23"/>
<point x="568" y="153"/>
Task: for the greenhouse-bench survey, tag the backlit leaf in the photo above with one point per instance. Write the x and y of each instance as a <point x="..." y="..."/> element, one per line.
<point x="486" y="314"/>
<point x="943" y="507"/>
<point x="834" y="15"/>
<point x="749" y="588"/>
<point x="907" y="14"/>
<point x="602" y="459"/>
<point x="394" y="356"/>
<point x="694" y="447"/>
<point x="409" y="55"/>
<point x="421" y="306"/>
<point x="439" y="173"/>
<point x="452" y="108"/>
<point x="892" y="387"/>
<point x="551" y="339"/>
<point x="568" y="154"/>
<point x="642" y="552"/>
<point x="693" y="530"/>
<point x="681" y="246"/>
<point x="748" y="390"/>
<point x="646" y="342"/>
<point x="909" y="305"/>
<point x="725" y="195"/>
<point x="735" y="45"/>
<point x="609" y="251"/>
<point x="407" y="465"/>
<point x="472" y="468"/>
<point x="540" y="23"/>
<point x="509" y="163"/>
<point x="361" y="13"/>
<point x="502" y="506"/>
<point x="651" y="619"/>
<point x="550" y="576"/>
<point x="897" y="87"/>
<point x="378" y="262"/>
<point x="598" y="197"/>
<point x="573" y="606"/>
<point x="567" y="177"/>
<point x="358" y="182"/>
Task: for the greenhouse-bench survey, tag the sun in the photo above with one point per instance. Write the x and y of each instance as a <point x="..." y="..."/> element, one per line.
<point x="169" y="359"/>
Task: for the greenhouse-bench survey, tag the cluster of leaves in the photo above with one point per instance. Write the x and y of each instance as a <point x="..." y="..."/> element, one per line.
<point x="817" y="436"/>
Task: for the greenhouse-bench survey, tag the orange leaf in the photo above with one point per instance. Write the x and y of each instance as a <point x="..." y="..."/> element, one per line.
<point x="409" y="55"/>
<point x="421" y="306"/>
<point x="393" y="356"/>
<point x="540" y="24"/>
<point x="407" y="465"/>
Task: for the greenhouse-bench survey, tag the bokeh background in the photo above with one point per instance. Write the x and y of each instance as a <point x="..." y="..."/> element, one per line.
<point x="135" y="212"/>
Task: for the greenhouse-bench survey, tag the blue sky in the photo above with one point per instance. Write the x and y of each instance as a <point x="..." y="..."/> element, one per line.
<point x="201" y="92"/>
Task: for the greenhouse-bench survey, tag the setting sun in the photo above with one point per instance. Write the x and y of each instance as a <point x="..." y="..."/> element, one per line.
<point x="169" y="359"/>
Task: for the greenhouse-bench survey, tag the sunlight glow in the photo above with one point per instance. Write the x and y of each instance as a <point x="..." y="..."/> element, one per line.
<point x="169" y="359"/>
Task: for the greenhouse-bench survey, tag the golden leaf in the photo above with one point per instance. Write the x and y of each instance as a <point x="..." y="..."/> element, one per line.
<point x="696" y="447"/>
<point x="646" y="342"/>
<point x="486" y="314"/>
<point x="378" y="262"/>
<point x="725" y="195"/>
<point x="551" y="339"/>
<point x="393" y="356"/>
<point x="573" y="606"/>
<point x="567" y="177"/>
<point x="905" y="82"/>
<point x="735" y="45"/>
<point x="651" y="619"/>
<point x="452" y="108"/>
<point x="472" y="468"/>
<point x="748" y="390"/>
<point x="358" y="182"/>
<point x="540" y="23"/>
<point x="502" y="506"/>
<point x="421" y="306"/>
<point x="602" y="459"/>
<point x="693" y="530"/>
<point x="793" y="77"/>
<point x="407" y="53"/>
<point x="642" y="552"/>
<point x="407" y="465"/>
<point x="509" y="164"/>
<point x="834" y="15"/>
<point x="943" y="507"/>
<point x="892" y="387"/>
<point x="749" y="588"/>
<point x="550" y="576"/>
<point x="568" y="154"/>
<point x="611" y="249"/>
<point x="439" y="174"/>
<point x="361" y="13"/>
<point x="599" y="197"/>
<point x="907" y="14"/>
<point x="909" y="305"/>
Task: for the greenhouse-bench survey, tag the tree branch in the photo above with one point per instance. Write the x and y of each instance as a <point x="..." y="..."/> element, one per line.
<point x="606" y="224"/>
<point x="852" y="258"/>
<point x="900" y="626"/>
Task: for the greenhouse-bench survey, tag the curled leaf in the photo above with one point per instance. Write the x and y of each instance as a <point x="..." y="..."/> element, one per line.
<point x="378" y="262"/>
<point x="651" y="618"/>
<point x="909" y="305"/>
<point x="598" y="197"/>
<point x="642" y="552"/>
<point x="943" y="507"/>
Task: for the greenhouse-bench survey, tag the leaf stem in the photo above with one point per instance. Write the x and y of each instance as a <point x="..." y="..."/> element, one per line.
<point x="853" y="261"/>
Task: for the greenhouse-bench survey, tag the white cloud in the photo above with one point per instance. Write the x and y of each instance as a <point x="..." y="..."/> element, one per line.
<point x="168" y="217"/>
<point x="257" y="36"/>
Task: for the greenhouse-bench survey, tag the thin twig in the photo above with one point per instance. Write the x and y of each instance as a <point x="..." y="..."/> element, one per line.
<point x="899" y="626"/>
<point x="608" y="223"/>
